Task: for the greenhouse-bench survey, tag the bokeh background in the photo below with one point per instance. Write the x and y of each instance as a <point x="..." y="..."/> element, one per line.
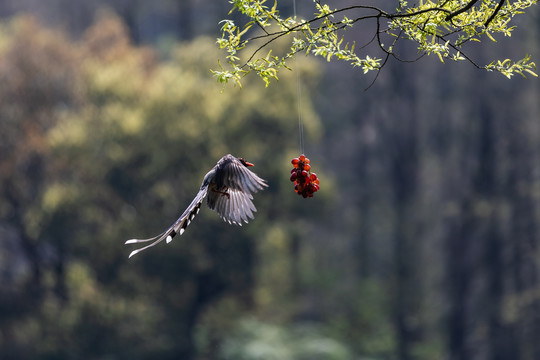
<point x="423" y="242"/>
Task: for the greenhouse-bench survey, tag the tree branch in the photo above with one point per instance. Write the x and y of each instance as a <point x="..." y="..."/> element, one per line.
<point x="296" y="28"/>
<point x="321" y="33"/>
<point x="462" y="10"/>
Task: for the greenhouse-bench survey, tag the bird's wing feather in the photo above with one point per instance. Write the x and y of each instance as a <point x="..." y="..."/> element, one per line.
<point x="238" y="177"/>
<point x="236" y="207"/>
<point x="178" y="227"/>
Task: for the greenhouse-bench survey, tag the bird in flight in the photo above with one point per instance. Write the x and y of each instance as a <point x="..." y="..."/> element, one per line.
<point x="228" y="188"/>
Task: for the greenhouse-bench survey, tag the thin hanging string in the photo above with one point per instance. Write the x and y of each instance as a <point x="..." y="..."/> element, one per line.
<point x="298" y="96"/>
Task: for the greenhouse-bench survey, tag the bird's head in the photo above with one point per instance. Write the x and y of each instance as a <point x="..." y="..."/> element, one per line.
<point x="245" y="163"/>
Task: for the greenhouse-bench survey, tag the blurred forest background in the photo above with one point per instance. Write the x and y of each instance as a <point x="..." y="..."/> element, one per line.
<point x="423" y="242"/>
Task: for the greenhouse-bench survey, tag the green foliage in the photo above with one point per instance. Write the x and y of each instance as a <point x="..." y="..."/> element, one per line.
<point x="509" y="68"/>
<point x="439" y="28"/>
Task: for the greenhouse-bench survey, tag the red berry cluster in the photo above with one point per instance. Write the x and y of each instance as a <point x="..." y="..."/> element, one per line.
<point x="305" y="183"/>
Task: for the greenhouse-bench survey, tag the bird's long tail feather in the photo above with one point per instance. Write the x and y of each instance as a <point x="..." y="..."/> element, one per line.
<point x="157" y="239"/>
<point x="177" y="228"/>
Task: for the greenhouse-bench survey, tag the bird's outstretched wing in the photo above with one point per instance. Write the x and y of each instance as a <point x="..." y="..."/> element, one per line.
<point x="235" y="206"/>
<point x="178" y="227"/>
<point x="234" y="175"/>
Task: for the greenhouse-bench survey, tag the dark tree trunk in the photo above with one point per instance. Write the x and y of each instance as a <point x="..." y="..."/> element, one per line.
<point x="459" y="276"/>
<point x="404" y="169"/>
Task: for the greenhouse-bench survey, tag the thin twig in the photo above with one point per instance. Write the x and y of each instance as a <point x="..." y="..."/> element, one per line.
<point x="262" y="27"/>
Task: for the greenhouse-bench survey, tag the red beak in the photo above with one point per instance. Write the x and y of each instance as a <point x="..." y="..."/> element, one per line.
<point x="248" y="163"/>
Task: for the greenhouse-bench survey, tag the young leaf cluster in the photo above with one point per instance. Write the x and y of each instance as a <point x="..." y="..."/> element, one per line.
<point x="437" y="27"/>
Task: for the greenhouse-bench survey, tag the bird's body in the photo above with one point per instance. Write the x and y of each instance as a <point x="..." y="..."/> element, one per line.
<point x="228" y="188"/>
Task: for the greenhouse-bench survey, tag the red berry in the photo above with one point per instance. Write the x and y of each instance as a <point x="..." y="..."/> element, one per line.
<point x="305" y="184"/>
